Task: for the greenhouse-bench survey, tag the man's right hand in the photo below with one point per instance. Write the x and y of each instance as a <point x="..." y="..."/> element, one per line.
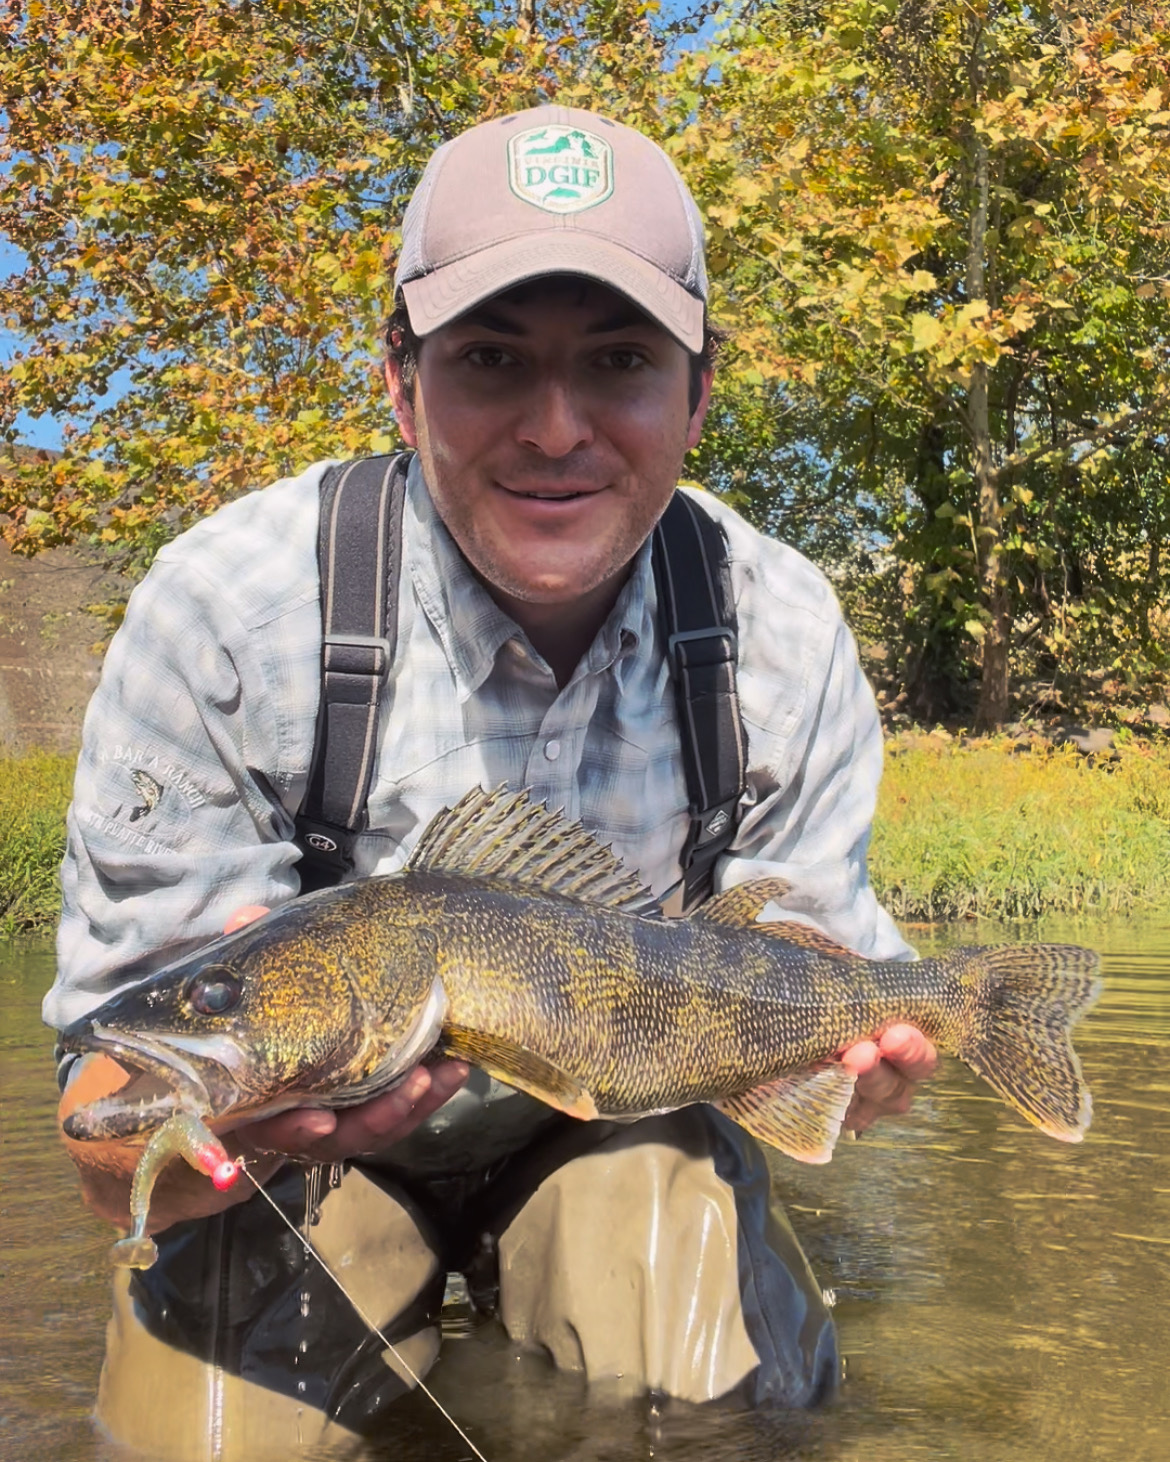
<point x="318" y="1134"/>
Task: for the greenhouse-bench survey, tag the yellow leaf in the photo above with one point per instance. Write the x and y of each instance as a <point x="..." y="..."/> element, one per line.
<point x="927" y="331"/>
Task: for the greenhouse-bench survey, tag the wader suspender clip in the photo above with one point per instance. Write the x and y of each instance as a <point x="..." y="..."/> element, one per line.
<point x="359" y="553"/>
<point x="697" y="613"/>
<point x="359" y="616"/>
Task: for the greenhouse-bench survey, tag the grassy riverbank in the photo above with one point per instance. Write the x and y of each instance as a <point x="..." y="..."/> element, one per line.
<point x="34" y="793"/>
<point x="1003" y="829"/>
<point x="992" y="829"/>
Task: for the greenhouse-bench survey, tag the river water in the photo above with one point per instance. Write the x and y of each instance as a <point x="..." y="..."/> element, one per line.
<point x="999" y="1296"/>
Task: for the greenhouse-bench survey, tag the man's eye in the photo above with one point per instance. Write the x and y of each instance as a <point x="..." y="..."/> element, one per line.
<point x="623" y="359"/>
<point x="491" y="357"/>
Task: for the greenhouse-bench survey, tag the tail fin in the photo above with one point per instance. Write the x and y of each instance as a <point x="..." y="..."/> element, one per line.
<point x="1022" y="1002"/>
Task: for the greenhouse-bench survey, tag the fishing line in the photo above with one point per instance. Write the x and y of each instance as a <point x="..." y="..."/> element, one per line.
<point x="390" y="1346"/>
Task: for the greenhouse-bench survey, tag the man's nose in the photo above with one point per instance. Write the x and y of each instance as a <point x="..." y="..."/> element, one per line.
<point x="554" y="420"/>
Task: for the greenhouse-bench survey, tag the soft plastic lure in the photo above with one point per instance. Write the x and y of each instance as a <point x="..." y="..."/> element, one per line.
<point x="185" y="1136"/>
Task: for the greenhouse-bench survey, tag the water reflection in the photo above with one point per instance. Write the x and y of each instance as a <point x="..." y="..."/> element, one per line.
<point x="1000" y="1296"/>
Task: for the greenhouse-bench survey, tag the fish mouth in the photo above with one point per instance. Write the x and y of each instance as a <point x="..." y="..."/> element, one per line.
<point x="168" y="1074"/>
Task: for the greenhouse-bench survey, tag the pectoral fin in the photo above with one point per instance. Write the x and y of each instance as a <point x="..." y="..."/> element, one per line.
<point x="800" y="1113"/>
<point x="520" y="1068"/>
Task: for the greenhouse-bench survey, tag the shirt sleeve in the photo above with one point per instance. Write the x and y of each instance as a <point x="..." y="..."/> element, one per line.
<point x="811" y="826"/>
<point x="176" y="820"/>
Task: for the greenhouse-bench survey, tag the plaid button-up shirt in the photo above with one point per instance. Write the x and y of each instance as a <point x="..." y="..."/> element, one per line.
<point x="197" y="742"/>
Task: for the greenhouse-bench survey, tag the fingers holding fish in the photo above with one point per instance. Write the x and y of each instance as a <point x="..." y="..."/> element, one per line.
<point x="888" y="1071"/>
<point x="908" y="1050"/>
<point x="318" y="1134"/>
<point x="246" y="915"/>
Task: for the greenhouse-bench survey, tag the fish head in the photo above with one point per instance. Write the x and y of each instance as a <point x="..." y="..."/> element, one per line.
<point x="323" y="995"/>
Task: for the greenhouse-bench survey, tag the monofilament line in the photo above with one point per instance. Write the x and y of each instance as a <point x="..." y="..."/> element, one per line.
<point x="390" y="1346"/>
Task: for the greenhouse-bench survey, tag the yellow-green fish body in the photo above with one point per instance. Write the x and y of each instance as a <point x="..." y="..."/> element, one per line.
<point x="514" y="940"/>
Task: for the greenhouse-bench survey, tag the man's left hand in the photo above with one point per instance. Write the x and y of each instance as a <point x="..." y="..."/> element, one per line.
<point x="888" y="1072"/>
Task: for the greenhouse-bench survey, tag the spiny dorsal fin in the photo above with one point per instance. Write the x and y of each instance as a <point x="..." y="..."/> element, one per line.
<point x="503" y="835"/>
<point x="741" y="905"/>
<point x="800" y="1113"/>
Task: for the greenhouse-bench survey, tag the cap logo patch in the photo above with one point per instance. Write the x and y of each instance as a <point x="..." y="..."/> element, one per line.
<point x="560" y="169"/>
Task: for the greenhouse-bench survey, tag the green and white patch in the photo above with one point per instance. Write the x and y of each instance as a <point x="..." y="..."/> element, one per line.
<point x="560" y="169"/>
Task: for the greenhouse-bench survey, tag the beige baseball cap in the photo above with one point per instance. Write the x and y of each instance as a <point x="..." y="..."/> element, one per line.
<point x="553" y="190"/>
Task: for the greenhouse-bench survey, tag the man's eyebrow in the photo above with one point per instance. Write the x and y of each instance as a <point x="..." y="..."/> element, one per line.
<point x="625" y="318"/>
<point x="484" y="319"/>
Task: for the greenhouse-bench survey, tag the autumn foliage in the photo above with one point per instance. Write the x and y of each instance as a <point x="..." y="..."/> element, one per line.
<point x="938" y="234"/>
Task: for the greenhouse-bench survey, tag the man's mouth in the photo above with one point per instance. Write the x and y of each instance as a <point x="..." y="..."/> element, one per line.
<point x="551" y="494"/>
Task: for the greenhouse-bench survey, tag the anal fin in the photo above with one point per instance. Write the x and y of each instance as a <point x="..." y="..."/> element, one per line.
<point x="521" y="1068"/>
<point x="800" y="1113"/>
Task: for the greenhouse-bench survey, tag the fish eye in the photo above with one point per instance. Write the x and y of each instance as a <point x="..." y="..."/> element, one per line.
<point x="213" y="994"/>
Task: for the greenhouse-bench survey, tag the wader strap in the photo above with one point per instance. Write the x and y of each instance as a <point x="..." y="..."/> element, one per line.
<point x="359" y="553"/>
<point x="697" y="613"/>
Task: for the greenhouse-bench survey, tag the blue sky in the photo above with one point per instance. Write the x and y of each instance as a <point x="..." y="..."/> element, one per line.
<point x="43" y="431"/>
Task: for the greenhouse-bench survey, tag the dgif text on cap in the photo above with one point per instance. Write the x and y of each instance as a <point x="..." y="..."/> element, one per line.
<point x="553" y="190"/>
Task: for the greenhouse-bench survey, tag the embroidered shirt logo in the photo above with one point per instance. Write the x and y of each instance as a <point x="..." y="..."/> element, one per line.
<point x="560" y="169"/>
<point x="148" y="789"/>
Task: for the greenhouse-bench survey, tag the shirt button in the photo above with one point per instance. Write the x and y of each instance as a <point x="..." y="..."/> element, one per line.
<point x="552" y="749"/>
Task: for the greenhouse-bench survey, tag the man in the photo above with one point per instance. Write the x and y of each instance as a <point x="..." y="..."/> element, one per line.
<point x="549" y="361"/>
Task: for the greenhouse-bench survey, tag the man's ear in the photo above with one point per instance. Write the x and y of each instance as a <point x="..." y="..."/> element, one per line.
<point x="699" y="415"/>
<point x="403" y="405"/>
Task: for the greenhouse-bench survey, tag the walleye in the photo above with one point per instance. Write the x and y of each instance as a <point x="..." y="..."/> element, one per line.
<point x="515" y="941"/>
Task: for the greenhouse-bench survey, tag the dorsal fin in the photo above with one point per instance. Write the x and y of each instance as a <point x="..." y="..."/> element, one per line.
<point x="807" y="937"/>
<point x="741" y="905"/>
<point x="503" y="835"/>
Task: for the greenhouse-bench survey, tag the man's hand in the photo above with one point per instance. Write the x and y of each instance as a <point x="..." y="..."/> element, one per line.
<point x="888" y="1072"/>
<point x="315" y="1134"/>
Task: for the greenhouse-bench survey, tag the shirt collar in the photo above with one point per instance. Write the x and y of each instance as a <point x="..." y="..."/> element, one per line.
<point x="470" y="624"/>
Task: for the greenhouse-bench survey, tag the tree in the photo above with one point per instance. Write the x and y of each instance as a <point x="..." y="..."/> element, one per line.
<point x="206" y="193"/>
<point x="939" y="230"/>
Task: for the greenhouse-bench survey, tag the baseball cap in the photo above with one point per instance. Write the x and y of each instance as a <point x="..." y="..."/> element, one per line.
<point x="552" y="190"/>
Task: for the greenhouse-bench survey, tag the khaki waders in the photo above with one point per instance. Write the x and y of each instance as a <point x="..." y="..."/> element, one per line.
<point x="648" y="1254"/>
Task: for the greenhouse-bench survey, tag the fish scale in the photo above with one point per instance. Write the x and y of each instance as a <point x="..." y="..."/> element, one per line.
<point x="661" y="1014"/>
<point x="514" y="940"/>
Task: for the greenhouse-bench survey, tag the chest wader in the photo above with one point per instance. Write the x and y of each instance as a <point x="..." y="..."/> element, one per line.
<point x="647" y="1256"/>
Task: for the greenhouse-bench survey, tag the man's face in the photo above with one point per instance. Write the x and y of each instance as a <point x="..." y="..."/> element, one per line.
<point x="551" y="423"/>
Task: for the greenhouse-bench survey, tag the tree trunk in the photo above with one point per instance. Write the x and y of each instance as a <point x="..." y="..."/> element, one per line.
<point x="993" y="687"/>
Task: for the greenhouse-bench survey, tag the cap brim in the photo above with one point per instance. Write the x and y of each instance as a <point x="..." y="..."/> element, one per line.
<point x="435" y="299"/>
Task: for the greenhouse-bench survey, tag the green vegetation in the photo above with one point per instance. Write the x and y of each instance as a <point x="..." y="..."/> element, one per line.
<point x="994" y="829"/>
<point x="34" y="793"/>
<point x="1003" y="830"/>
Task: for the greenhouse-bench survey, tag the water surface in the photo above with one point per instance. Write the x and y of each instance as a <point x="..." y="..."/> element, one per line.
<point x="1000" y="1296"/>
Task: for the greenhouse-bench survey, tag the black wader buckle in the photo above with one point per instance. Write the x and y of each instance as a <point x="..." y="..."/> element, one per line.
<point x="356" y="655"/>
